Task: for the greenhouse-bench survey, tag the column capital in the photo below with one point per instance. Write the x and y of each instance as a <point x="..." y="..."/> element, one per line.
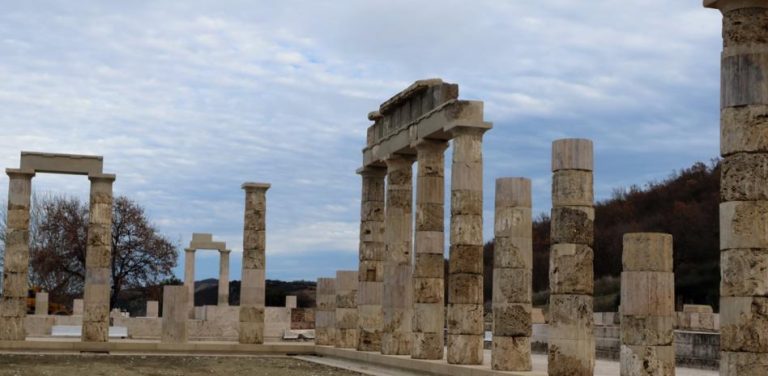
<point x="102" y="178"/>
<point x="225" y="251"/>
<point x="18" y="173"/>
<point x="729" y="5"/>
<point x="460" y="130"/>
<point x="372" y="171"/>
<point x="190" y="250"/>
<point x="255" y="187"/>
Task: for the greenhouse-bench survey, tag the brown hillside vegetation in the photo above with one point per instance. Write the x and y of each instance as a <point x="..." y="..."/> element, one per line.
<point x="684" y="205"/>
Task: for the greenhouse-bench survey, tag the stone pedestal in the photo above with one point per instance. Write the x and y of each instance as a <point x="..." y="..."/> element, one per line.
<point x="152" y="308"/>
<point x="743" y="186"/>
<point x="571" y="274"/>
<point x="465" y="283"/>
<point x="175" y="309"/>
<point x="371" y="271"/>
<point x="512" y="276"/>
<point x="428" y="273"/>
<point x="346" y="309"/>
<point x="13" y="308"/>
<point x="189" y="280"/>
<point x="224" y="278"/>
<point x="254" y="264"/>
<point x="647" y="305"/>
<point x="397" y="299"/>
<point x="41" y="303"/>
<point x="325" y="314"/>
<point x="98" y="261"/>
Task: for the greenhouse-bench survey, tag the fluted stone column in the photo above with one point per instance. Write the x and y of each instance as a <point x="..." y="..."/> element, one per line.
<point x="647" y="305"/>
<point x="346" y="309"/>
<point x="512" y="276"/>
<point x="371" y="272"/>
<point x="397" y="301"/>
<point x="224" y="277"/>
<point x="189" y="280"/>
<point x="325" y="315"/>
<point x="13" y="308"/>
<point x="465" y="284"/>
<point x="254" y="264"/>
<point x="98" y="261"/>
<point x="175" y="307"/>
<point x="41" y="303"/>
<point x="571" y="274"/>
<point x="744" y="187"/>
<point x="428" y="273"/>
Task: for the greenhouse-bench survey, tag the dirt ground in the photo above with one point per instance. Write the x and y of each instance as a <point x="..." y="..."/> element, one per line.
<point x="119" y="365"/>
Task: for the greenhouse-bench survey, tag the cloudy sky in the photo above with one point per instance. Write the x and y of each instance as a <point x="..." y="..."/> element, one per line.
<point x="188" y="99"/>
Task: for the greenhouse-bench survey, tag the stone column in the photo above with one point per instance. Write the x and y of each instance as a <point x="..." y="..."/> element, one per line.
<point x="647" y="305"/>
<point x="512" y="276"/>
<point x="224" y="277"/>
<point x="325" y="315"/>
<point x="254" y="264"/>
<point x="152" y="308"/>
<point x="571" y="275"/>
<point x="396" y="338"/>
<point x="189" y="280"/>
<point x="98" y="261"/>
<point x="371" y="272"/>
<point x="744" y="187"/>
<point x="175" y="309"/>
<point x="346" y="309"/>
<point x="465" y="284"/>
<point x="13" y="308"/>
<point x="428" y="273"/>
<point x="41" y="303"/>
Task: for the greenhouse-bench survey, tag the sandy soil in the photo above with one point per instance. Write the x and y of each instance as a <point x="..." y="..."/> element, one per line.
<point x="94" y="365"/>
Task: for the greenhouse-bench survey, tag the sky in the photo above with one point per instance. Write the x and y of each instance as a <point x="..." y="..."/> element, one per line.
<point x="186" y="100"/>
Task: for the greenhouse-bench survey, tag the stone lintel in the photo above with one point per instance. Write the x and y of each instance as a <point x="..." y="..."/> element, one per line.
<point x="251" y="186"/>
<point x="438" y="124"/>
<point x="410" y="92"/>
<point x="72" y="164"/>
<point x="205" y="241"/>
<point x="729" y="5"/>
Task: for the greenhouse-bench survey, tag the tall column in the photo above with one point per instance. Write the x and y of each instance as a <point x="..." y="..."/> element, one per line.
<point x="175" y="307"/>
<point x="744" y="187"/>
<point x="397" y="300"/>
<point x="371" y="272"/>
<point x="254" y="264"/>
<point x="512" y="276"/>
<point x="224" y="277"/>
<point x="346" y="309"/>
<point x="647" y="305"/>
<point x="571" y="274"/>
<point x="325" y="315"/>
<point x="13" y="308"/>
<point x="98" y="261"/>
<point x="189" y="280"/>
<point x="465" y="284"/>
<point x="428" y="272"/>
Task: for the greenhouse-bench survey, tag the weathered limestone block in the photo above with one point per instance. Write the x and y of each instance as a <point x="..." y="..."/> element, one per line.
<point x="465" y="349"/>
<point x="347" y="324"/>
<point x="743" y="177"/>
<point x="572" y="188"/>
<point x="570" y="317"/>
<point x="513" y="253"/>
<point x="513" y="222"/>
<point x="464" y="259"/>
<point x="512" y="286"/>
<point x="651" y="293"/>
<point x="744" y="324"/>
<point x="571" y="269"/>
<point x="511" y="353"/>
<point x="428" y="317"/>
<point x="572" y="154"/>
<point x="743" y="363"/>
<point x="573" y="224"/>
<point x="511" y="320"/>
<point x="743" y="77"/>
<point x="466" y="201"/>
<point x="647" y="360"/>
<point x="650" y="252"/>
<point x="647" y="330"/>
<point x="571" y="357"/>
<point x="743" y="224"/>
<point x="744" y="129"/>
<point x="465" y="288"/>
<point x="175" y="310"/>
<point x="465" y="319"/>
<point x="744" y="272"/>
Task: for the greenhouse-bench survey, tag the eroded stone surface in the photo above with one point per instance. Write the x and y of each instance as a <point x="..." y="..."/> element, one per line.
<point x="647" y="330"/>
<point x="745" y="26"/>
<point x="573" y="225"/>
<point x="744" y="129"/>
<point x="571" y="269"/>
<point x="744" y="272"/>
<point x="651" y="293"/>
<point x="572" y="188"/>
<point x="744" y="324"/>
<point x="511" y="320"/>
<point x="743" y="224"/>
<point x="650" y="252"/>
<point x="647" y="360"/>
<point x="572" y="358"/>
<point x="743" y="363"/>
<point x="465" y="349"/>
<point x="570" y="317"/>
<point x="511" y="353"/>
<point x="744" y="176"/>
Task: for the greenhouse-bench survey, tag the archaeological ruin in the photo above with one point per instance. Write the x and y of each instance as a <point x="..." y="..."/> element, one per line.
<point x="405" y="307"/>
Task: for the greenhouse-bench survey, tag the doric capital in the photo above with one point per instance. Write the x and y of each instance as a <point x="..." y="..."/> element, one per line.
<point x="102" y="178"/>
<point x="15" y="173"/>
<point x="225" y="251"/>
<point x="255" y="187"/>
<point x="372" y="171"/>
<point x="463" y="130"/>
<point x="189" y="250"/>
<point x="729" y="5"/>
